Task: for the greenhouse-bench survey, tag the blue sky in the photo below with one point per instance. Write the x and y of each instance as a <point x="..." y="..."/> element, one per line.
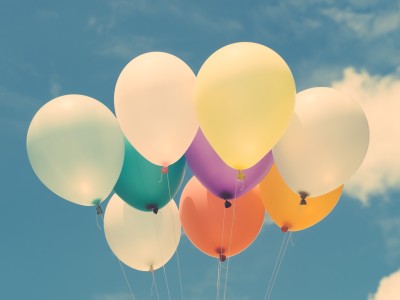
<point x="52" y="249"/>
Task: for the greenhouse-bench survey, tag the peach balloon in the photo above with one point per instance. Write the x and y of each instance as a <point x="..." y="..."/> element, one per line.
<point x="283" y="205"/>
<point x="208" y="224"/>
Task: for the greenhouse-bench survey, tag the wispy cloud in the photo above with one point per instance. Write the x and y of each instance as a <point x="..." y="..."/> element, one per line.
<point x="388" y="288"/>
<point x="390" y="228"/>
<point x="371" y="24"/>
<point x="129" y="47"/>
<point x="379" y="96"/>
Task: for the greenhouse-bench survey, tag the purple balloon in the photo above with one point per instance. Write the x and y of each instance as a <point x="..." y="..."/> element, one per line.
<point x="218" y="177"/>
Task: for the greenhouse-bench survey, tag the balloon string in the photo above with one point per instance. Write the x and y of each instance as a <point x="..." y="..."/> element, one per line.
<point x="99" y="212"/>
<point x="230" y="241"/>
<point x="159" y="247"/>
<point x="160" y="177"/>
<point x="154" y="284"/>
<point x="176" y="252"/>
<point x="277" y="266"/>
<point x="218" y="277"/>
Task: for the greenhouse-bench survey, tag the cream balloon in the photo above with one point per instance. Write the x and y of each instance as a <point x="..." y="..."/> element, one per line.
<point x="76" y="148"/>
<point x="244" y="97"/>
<point x="154" y="104"/>
<point x="325" y="143"/>
<point x="142" y="240"/>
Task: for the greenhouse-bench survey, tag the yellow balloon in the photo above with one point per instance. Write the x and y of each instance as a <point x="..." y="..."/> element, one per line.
<point x="244" y="97"/>
<point x="283" y="205"/>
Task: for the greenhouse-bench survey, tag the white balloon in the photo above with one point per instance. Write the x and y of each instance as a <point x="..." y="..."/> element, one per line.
<point x="76" y="148"/>
<point x="154" y="104"/>
<point x="142" y="240"/>
<point x="325" y="143"/>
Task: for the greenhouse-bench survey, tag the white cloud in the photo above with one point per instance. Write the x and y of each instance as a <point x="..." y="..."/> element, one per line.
<point x="388" y="289"/>
<point x="366" y="24"/>
<point x="130" y="47"/>
<point x="379" y="97"/>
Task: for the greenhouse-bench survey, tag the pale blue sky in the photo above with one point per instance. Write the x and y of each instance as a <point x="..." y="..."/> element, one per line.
<point x="52" y="249"/>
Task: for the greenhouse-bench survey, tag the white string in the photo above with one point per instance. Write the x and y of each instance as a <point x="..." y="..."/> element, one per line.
<point x="275" y="267"/>
<point x="177" y="252"/>
<point x="154" y="284"/>
<point x="230" y="240"/>
<point x="120" y="264"/>
<point x="159" y="246"/>
<point x="218" y="277"/>
<point x="279" y="266"/>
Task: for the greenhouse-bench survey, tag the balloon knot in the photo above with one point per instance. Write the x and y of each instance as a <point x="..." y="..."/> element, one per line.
<point x="284" y="228"/>
<point x="241" y="175"/>
<point x="222" y="257"/>
<point x="99" y="211"/>
<point x="303" y="196"/>
<point x="227" y="204"/>
<point x="153" y="208"/>
<point x="164" y="170"/>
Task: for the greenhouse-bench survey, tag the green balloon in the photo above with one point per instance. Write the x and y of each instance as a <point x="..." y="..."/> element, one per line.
<point x="143" y="185"/>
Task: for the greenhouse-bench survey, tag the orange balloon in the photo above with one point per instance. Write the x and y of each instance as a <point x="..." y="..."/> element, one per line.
<point x="283" y="205"/>
<point x="208" y="224"/>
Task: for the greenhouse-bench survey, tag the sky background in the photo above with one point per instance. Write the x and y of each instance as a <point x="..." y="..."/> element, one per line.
<point x="52" y="249"/>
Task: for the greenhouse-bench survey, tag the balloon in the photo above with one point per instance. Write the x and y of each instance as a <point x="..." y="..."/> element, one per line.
<point x="208" y="224"/>
<point x="244" y="97"/>
<point x="142" y="240"/>
<point x="325" y="143"/>
<point x="140" y="183"/>
<point x="154" y="104"/>
<point x="76" y="148"/>
<point x="283" y="206"/>
<point x="216" y="176"/>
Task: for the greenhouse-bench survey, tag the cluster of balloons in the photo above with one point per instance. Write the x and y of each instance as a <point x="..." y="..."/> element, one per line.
<point x="250" y="141"/>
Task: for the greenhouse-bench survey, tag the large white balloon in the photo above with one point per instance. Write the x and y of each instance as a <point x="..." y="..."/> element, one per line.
<point x="154" y="104"/>
<point x="325" y="143"/>
<point x="76" y="148"/>
<point x="142" y="240"/>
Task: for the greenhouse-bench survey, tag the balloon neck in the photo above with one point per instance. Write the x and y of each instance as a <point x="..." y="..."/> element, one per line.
<point x="151" y="269"/>
<point x="241" y="175"/>
<point x="227" y="204"/>
<point x="153" y="208"/>
<point x="221" y="251"/>
<point x="99" y="211"/>
<point x="284" y="228"/>
<point x="164" y="169"/>
<point x="303" y="196"/>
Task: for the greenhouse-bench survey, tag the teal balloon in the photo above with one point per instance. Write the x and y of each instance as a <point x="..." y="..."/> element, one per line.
<point x="142" y="184"/>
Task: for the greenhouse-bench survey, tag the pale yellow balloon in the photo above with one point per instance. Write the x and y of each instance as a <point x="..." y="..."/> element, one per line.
<point x="244" y="97"/>
<point x="154" y="104"/>
<point x="142" y="240"/>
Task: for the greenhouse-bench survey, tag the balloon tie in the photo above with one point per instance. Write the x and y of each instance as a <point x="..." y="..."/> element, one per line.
<point x="154" y="284"/>
<point x="277" y="266"/>
<point x="227" y="204"/>
<point x="303" y="196"/>
<point x="176" y="252"/>
<point x="99" y="213"/>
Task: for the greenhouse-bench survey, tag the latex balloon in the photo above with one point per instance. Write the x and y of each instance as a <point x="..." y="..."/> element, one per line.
<point x="218" y="177"/>
<point x="209" y="226"/>
<point x="142" y="240"/>
<point x="143" y="186"/>
<point x="325" y="143"/>
<point x="154" y="104"/>
<point x="244" y="97"/>
<point x="283" y="205"/>
<point x="76" y="148"/>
